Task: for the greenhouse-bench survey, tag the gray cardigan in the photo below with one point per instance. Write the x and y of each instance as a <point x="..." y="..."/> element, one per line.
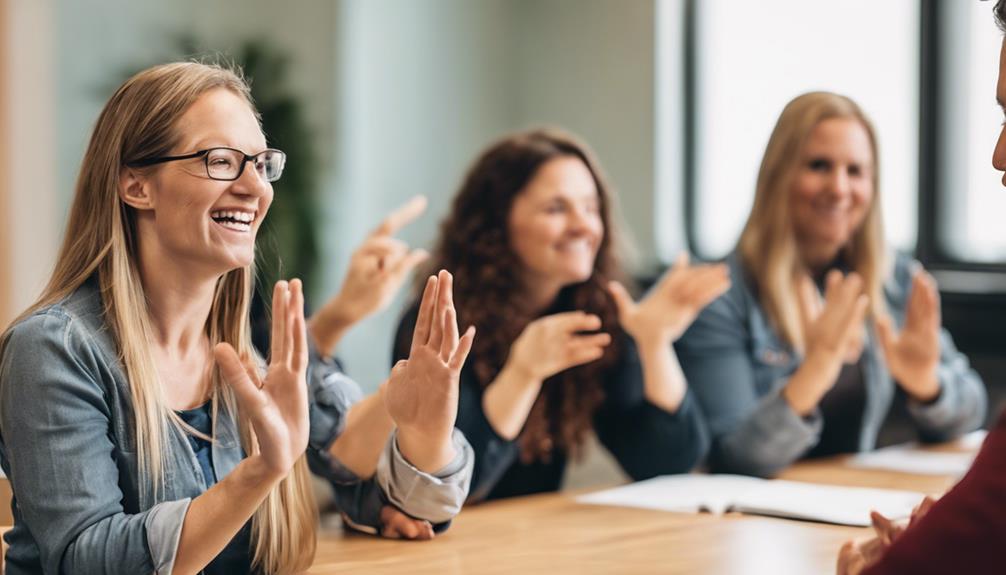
<point x="737" y="365"/>
<point x="68" y="447"/>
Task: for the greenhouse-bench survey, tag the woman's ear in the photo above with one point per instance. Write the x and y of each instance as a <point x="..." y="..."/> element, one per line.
<point x="134" y="190"/>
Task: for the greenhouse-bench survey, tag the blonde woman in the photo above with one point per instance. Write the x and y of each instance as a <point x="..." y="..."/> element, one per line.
<point x="820" y="328"/>
<point x="139" y="429"/>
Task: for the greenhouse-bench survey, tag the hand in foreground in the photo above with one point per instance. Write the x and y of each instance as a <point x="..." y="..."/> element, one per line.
<point x="277" y="405"/>
<point x="855" y="556"/>
<point x="673" y="304"/>
<point x="913" y="355"/>
<point x="422" y="394"/>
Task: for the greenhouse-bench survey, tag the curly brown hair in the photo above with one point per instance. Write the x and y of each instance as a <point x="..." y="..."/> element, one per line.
<point x="474" y="245"/>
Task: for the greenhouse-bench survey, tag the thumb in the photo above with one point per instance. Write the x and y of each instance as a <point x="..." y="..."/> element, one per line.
<point x="235" y="374"/>
<point x="623" y="301"/>
<point x="885" y="333"/>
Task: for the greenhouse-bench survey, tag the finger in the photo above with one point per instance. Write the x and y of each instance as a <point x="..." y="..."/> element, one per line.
<point x="443" y="303"/>
<point x="850" y="288"/>
<point x="707" y="284"/>
<point x="233" y="372"/>
<point x="450" y="342"/>
<point x="887" y="337"/>
<point x="299" y="344"/>
<point x="574" y="321"/>
<point x="464" y="346"/>
<point x="882" y="526"/>
<point x="279" y="294"/>
<point x="809" y="299"/>
<point x="404" y="266"/>
<point x="581" y="355"/>
<point x="401" y="217"/>
<point x="623" y="301"/>
<point x="382" y="246"/>
<point x="920" y="511"/>
<point x="854" y="319"/>
<point x="832" y="282"/>
<point x="421" y="334"/>
<point x="592" y="340"/>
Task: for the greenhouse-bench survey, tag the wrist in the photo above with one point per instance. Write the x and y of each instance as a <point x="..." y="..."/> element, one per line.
<point x="521" y="375"/>
<point x="254" y="472"/>
<point x="811" y="381"/>
<point x="329" y="325"/>
<point x="426" y="452"/>
<point x="924" y="389"/>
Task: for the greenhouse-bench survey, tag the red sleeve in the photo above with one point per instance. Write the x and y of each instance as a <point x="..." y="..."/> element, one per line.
<point x="965" y="531"/>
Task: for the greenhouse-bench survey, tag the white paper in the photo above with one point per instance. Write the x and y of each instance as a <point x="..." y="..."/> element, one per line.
<point x="909" y="460"/>
<point x="719" y="493"/>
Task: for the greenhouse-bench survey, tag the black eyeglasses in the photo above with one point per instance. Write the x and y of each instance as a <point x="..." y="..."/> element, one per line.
<point x="227" y="164"/>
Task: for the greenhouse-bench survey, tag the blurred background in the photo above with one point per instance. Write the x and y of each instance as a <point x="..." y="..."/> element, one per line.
<point x="379" y="100"/>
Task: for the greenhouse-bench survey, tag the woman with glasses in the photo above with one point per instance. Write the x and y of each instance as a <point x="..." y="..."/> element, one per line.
<point x="804" y="353"/>
<point x="563" y="349"/>
<point x="140" y="430"/>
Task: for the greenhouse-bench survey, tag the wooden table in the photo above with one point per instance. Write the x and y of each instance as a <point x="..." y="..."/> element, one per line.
<point x="554" y="534"/>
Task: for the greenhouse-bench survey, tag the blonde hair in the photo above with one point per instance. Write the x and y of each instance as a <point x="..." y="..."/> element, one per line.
<point x="767" y="246"/>
<point x="139" y="122"/>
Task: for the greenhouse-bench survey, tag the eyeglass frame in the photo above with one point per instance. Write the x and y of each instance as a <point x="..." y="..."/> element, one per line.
<point x="206" y="161"/>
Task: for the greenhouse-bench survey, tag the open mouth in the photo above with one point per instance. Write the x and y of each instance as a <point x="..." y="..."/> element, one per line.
<point x="234" y="220"/>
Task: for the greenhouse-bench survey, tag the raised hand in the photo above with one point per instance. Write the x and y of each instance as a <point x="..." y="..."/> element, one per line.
<point x="422" y="394"/>
<point x="673" y="304"/>
<point x="834" y="327"/>
<point x="832" y="335"/>
<point x="555" y="343"/>
<point x="913" y="355"/>
<point x="377" y="270"/>
<point x="277" y="405"/>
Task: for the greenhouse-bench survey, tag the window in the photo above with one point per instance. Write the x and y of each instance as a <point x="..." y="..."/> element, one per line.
<point x="751" y="58"/>
<point x="970" y="197"/>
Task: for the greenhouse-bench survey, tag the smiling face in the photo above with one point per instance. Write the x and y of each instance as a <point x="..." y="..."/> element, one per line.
<point x="833" y="187"/>
<point x="555" y="224"/>
<point x="190" y="219"/>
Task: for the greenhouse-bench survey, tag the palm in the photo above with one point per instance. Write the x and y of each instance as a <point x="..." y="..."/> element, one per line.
<point x="422" y="393"/>
<point x="276" y="406"/>
<point x="914" y="354"/>
<point x="674" y="303"/>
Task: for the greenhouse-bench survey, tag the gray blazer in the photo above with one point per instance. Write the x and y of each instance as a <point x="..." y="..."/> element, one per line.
<point x="68" y="446"/>
<point x="737" y="365"/>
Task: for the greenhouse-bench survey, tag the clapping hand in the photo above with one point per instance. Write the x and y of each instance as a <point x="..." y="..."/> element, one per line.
<point x="673" y="304"/>
<point x="913" y="355"/>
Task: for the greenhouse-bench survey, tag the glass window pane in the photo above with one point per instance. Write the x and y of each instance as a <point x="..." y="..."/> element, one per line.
<point x="971" y="200"/>
<point x="754" y="57"/>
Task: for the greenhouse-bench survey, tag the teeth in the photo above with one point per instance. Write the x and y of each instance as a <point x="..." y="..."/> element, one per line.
<point x="238" y="226"/>
<point x="245" y="217"/>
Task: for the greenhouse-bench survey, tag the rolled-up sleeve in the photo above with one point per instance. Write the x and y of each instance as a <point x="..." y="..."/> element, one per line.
<point x="55" y="425"/>
<point x="331" y="393"/>
<point x="436" y="497"/>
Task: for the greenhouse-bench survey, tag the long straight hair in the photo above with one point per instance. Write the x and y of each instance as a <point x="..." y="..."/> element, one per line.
<point x="139" y="122"/>
<point x="768" y="245"/>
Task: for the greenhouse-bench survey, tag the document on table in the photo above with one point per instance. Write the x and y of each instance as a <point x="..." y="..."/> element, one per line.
<point x="908" y="458"/>
<point x="773" y="497"/>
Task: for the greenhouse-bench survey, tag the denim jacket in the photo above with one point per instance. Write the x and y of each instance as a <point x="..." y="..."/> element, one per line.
<point x="737" y="365"/>
<point x="68" y="446"/>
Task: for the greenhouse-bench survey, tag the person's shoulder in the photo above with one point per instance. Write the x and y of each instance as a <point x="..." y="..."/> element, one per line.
<point x="74" y="323"/>
<point x="899" y="268"/>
